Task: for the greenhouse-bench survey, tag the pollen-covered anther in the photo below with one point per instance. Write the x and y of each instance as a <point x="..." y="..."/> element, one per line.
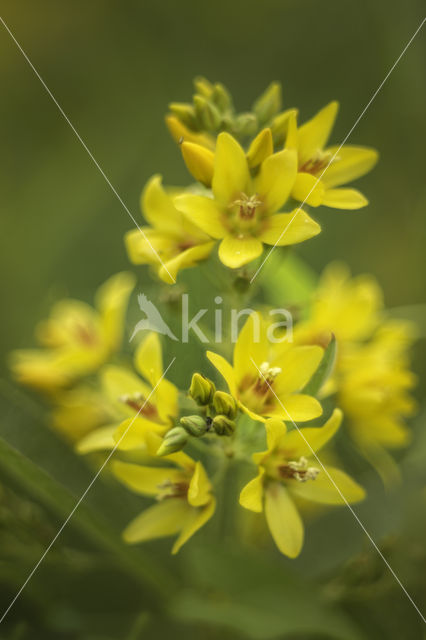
<point x="247" y="205"/>
<point x="268" y="373"/>
<point x="298" y="470"/>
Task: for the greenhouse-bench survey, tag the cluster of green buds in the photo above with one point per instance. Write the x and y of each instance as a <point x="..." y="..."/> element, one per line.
<point x="212" y="111"/>
<point x="219" y="411"/>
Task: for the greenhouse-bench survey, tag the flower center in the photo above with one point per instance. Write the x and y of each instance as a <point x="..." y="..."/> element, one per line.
<point x="247" y="206"/>
<point x="169" y="489"/>
<point x="137" y="402"/>
<point x="319" y="161"/>
<point x="298" y="470"/>
<point x="267" y="375"/>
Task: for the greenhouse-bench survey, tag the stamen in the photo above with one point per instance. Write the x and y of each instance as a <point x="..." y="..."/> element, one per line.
<point x="298" y="470"/>
<point x="247" y="205"/>
<point x="169" y="489"/>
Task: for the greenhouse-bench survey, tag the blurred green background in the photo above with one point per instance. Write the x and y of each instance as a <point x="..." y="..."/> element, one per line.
<point x="113" y="67"/>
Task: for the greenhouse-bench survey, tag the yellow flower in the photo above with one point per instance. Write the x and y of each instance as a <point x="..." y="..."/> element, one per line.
<point x="77" y="338"/>
<point x="243" y="209"/>
<point x="317" y="180"/>
<point x="287" y="470"/>
<point x="180" y="132"/>
<point x="350" y="308"/>
<point x="372" y="378"/>
<point x="373" y="388"/>
<point x="171" y="237"/>
<point x="183" y="493"/>
<point x="266" y="378"/>
<point x="142" y="407"/>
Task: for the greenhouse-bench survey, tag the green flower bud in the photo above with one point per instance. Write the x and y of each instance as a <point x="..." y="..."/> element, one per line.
<point x="202" y="389"/>
<point x="269" y="103"/>
<point x="225" y="404"/>
<point x="194" y="425"/>
<point x="207" y="113"/>
<point x="246" y="124"/>
<point x="221" y="97"/>
<point x="223" y="426"/>
<point x="173" y="441"/>
<point x="203" y="87"/>
<point x="184" y="112"/>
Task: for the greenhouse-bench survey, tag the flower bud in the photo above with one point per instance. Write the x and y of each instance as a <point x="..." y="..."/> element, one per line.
<point x="269" y="103"/>
<point x="245" y="124"/>
<point x="203" y="87"/>
<point x="194" y="425"/>
<point x="225" y="404"/>
<point x="207" y="113"/>
<point x="173" y="441"/>
<point x="202" y="389"/>
<point x="199" y="160"/>
<point x="221" y="97"/>
<point x="184" y="112"/>
<point x="223" y="426"/>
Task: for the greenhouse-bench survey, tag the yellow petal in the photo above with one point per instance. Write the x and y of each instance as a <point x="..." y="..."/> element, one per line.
<point x="331" y="487"/>
<point x="144" y="480"/>
<point x="276" y="179"/>
<point x="111" y="300"/>
<point x="199" y="160"/>
<point x="251" y="347"/>
<point x="349" y="164"/>
<point x="225" y="369"/>
<point x="289" y="228"/>
<point x="297" y="408"/>
<point x="283" y="520"/>
<point x="131" y="433"/>
<point x="344" y="199"/>
<point x="181" y="133"/>
<point x="194" y="521"/>
<point x="235" y="252"/>
<point x="313" y="135"/>
<point x="161" y="520"/>
<point x="145" y="245"/>
<point x="118" y="382"/>
<point x="148" y="358"/>
<point x="308" y="188"/>
<point x="297" y="365"/>
<point x="185" y="259"/>
<point x="276" y="432"/>
<point x="98" y="440"/>
<point x="261" y="147"/>
<point x="158" y="208"/>
<point x="305" y="441"/>
<point x="199" y="492"/>
<point x="231" y="173"/>
<point x="203" y="212"/>
<point x="251" y="496"/>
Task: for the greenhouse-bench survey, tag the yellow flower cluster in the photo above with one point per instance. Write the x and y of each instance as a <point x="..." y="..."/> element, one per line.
<point x="251" y="171"/>
<point x="372" y="378"/>
<point x="247" y="186"/>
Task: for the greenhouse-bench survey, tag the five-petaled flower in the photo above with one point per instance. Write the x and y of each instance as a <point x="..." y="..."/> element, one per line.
<point x="244" y="210"/>
<point x="321" y="169"/>
<point x="172" y="242"/>
<point x="77" y="338"/>
<point x="266" y="377"/>
<point x="289" y="469"/>
<point x="183" y="492"/>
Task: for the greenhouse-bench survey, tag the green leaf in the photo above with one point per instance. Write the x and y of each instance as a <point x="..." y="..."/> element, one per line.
<point x="324" y="370"/>
<point x="39" y="485"/>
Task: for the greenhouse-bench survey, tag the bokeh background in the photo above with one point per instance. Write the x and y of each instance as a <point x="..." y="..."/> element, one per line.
<point x="113" y="67"/>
